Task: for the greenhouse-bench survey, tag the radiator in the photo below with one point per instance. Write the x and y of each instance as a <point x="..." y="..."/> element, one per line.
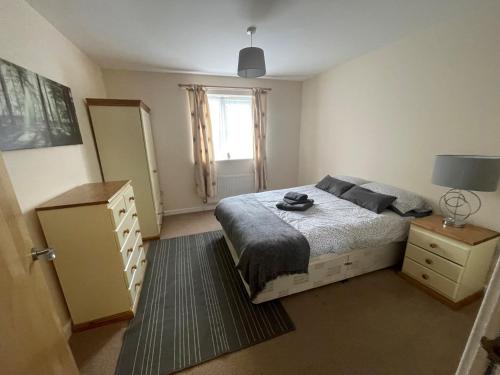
<point x="231" y="185"/>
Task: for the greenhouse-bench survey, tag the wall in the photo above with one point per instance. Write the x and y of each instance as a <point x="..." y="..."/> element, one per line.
<point x="384" y="115"/>
<point x="29" y="40"/>
<point x="172" y="130"/>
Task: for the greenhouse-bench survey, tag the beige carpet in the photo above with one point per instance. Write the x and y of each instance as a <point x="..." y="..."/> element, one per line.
<point x="372" y="324"/>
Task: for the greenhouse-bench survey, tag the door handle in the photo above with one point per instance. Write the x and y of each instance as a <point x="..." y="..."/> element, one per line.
<point x="47" y="254"/>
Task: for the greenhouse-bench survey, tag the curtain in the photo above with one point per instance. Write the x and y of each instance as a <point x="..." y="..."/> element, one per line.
<point x="259" y="104"/>
<point x="204" y="173"/>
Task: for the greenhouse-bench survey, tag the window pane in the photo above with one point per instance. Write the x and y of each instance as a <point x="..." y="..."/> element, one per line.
<point x="231" y="117"/>
<point x="239" y="128"/>
<point x="214" y="103"/>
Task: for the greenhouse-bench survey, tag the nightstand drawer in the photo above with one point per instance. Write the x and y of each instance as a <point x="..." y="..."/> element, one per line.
<point x="430" y="278"/>
<point x="434" y="262"/>
<point x="447" y="248"/>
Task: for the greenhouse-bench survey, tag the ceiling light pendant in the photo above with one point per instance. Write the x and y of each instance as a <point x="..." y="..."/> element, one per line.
<point x="251" y="63"/>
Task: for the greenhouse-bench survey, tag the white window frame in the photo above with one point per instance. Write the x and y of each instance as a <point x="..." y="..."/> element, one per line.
<point x="232" y="93"/>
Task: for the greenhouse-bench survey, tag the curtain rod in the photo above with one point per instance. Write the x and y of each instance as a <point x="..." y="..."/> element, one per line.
<point x="185" y="85"/>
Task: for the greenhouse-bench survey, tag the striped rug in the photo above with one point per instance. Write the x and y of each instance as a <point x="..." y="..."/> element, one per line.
<point x="193" y="308"/>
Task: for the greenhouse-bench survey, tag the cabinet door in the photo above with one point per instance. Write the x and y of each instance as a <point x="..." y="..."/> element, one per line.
<point x="121" y="145"/>
<point x="150" y="152"/>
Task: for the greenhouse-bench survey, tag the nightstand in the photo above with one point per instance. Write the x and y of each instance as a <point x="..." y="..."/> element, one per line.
<point x="449" y="263"/>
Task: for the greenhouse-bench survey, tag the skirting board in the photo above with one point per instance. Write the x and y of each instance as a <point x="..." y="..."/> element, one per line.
<point x="179" y="211"/>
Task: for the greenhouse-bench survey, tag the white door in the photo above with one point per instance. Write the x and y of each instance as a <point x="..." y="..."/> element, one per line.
<point x="153" y="169"/>
<point x="474" y="358"/>
<point x="31" y="340"/>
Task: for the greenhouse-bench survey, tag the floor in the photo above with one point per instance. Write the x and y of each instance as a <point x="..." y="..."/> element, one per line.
<point x="372" y="324"/>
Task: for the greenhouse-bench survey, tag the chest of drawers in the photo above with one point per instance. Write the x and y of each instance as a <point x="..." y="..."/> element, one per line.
<point x="453" y="263"/>
<point x="100" y="258"/>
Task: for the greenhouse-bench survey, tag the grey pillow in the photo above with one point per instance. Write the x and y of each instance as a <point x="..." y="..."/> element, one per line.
<point x="334" y="186"/>
<point x="368" y="199"/>
<point x="406" y="203"/>
<point x="352" y="179"/>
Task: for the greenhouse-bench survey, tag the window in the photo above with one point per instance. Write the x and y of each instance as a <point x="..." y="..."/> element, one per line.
<point x="232" y="129"/>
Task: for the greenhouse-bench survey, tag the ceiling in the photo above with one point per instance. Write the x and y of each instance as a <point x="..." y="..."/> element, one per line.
<point x="300" y="37"/>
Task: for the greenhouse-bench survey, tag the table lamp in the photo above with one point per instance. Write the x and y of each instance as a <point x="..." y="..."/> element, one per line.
<point x="464" y="174"/>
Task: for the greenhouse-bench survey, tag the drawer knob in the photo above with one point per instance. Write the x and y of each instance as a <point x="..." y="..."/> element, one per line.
<point x="428" y="261"/>
<point x="347" y="263"/>
<point x="133" y="269"/>
<point x="425" y="276"/>
<point x="141" y="246"/>
<point x="134" y="215"/>
<point x="137" y="285"/>
<point x="129" y="251"/>
<point x="137" y="232"/>
<point x="121" y="212"/>
<point x="143" y="261"/>
<point x="126" y="231"/>
<point x="130" y="199"/>
<point x="433" y="245"/>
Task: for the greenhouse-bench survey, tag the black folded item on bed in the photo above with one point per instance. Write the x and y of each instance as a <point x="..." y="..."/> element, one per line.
<point x="266" y="245"/>
<point x="296" y="197"/>
<point x="289" y="205"/>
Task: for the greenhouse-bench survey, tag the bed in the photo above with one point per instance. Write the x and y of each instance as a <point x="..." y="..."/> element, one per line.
<point x="344" y="240"/>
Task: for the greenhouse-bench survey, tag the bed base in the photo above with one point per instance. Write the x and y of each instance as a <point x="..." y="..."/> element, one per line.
<point x="327" y="269"/>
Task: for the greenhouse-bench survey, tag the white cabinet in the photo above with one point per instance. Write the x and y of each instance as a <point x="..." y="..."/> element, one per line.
<point x="100" y="257"/>
<point x="125" y="147"/>
<point x="452" y="262"/>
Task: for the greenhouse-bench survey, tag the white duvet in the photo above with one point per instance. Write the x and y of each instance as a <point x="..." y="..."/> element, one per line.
<point x="334" y="225"/>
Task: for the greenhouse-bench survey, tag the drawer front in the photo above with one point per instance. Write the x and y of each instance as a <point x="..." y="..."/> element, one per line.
<point x="137" y="278"/>
<point x="118" y="210"/>
<point x="129" y="197"/>
<point x="131" y="267"/>
<point x="142" y="259"/>
<point x="430" y="278"/>
<point x="125" y="228"/>
<point x="434" y="262"/>
<point x="128" y="247"/>
<point x="450" y="249"/>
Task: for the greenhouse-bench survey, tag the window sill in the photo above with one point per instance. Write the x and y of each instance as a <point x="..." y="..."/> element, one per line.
<point x="230" y="160"/>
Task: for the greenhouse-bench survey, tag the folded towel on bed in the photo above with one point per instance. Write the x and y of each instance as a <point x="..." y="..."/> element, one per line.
<point x="296" y="197"/>
<point x="284" y="205"/>
<point x="292" y="202"/>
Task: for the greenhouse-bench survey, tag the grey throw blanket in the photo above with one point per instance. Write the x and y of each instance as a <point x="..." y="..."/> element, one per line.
<point x="267" y="246"/>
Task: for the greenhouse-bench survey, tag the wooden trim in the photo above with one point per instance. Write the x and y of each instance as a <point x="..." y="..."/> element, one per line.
<point x="118" y="103"/>
<point x="439" y="297"/>
<point x="126" y="315"/>
<point x="470" y="234"/>
<point x="85" y="195"/>
<point x="95" y="141"/>
<point x="151" y="238"/>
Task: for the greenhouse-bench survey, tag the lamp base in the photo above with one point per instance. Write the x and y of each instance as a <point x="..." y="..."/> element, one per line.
<point x="451" y="222"/>
<point x="455" y="207"/>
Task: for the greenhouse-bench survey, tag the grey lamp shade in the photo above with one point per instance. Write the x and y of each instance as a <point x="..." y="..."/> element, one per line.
<point x="467" y="172"/>
<point x="251" y="63"/>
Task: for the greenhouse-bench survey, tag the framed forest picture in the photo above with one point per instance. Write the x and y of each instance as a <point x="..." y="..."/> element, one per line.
<point x="34" y="111"/>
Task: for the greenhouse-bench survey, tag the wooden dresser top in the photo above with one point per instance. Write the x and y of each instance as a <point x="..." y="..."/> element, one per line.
<point x="470" y="234"/>
<point x="85" y="195"/>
